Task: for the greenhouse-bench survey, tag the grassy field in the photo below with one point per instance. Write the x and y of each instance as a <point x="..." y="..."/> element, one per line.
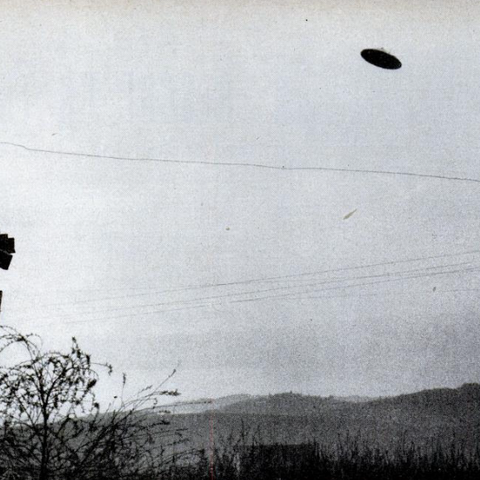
<point x="433" y="434"/>
<point x="349" y="458"/>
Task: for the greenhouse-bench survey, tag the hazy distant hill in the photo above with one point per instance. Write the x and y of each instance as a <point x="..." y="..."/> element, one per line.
<point x="206" y="404"/>
<point x="445" y="401"/>
<point x="426" y="416"/>
<point x="288" y="404"/>
<point x="279" y="404"/>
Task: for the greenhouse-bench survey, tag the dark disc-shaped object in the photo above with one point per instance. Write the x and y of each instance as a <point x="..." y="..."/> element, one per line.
<point x="381" y="59"/>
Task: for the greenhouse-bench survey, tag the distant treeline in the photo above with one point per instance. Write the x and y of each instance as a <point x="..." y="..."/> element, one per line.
<point x="53" y="428"/>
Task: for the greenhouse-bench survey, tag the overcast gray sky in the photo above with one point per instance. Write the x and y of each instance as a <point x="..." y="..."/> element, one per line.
<point x="246" y="278"/>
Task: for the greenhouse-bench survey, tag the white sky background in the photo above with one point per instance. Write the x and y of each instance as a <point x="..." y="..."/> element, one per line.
<point x="106" y="247"/>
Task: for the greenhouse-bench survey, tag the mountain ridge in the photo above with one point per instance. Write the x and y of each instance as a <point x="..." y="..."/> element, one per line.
<point x="290" y="403"/>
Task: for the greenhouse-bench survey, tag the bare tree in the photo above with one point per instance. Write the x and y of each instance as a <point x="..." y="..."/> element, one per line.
<point x="52" y="427"/>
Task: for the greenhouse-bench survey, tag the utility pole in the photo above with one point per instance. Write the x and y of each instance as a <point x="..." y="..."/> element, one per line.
<point x="7" y="248"/>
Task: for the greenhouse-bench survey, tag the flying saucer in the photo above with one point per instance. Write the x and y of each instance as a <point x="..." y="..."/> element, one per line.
<point x="381" y="59"/>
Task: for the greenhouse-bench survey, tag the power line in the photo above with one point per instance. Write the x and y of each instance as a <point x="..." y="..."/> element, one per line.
<point x="270" y="279"/>
<point x="241" y="164"/>
<point x="284" y="296"/>
<point x="277" y="296"/>
<point x="259" y="291"/>
<point x="269" y="297"/>
<point x="267" y="290"/>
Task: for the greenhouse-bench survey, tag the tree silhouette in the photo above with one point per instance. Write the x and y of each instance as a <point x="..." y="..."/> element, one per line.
<point x="52" y="427"/>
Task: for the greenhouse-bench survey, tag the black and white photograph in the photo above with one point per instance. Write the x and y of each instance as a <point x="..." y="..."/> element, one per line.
<point x="239" y="240"/>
